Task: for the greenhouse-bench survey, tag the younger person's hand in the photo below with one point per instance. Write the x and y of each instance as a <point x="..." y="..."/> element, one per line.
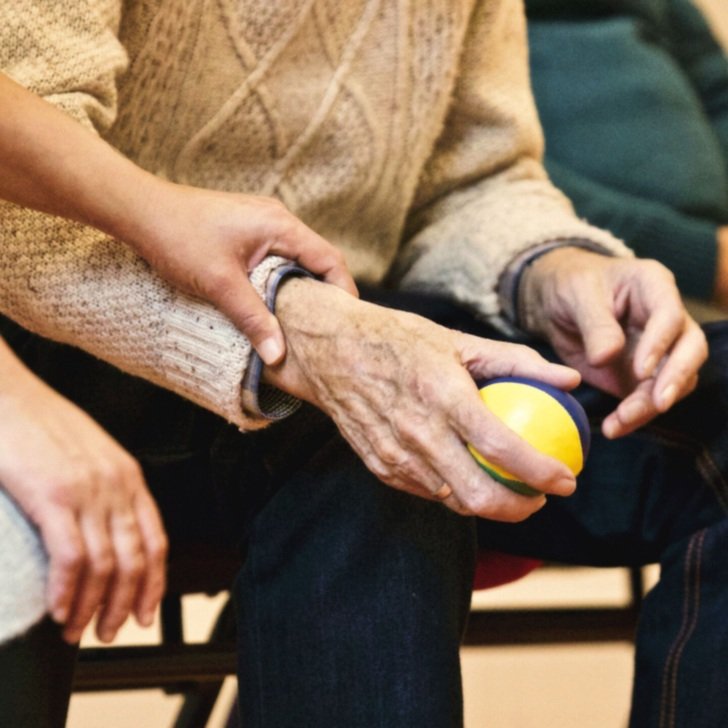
<point x="100" y="526"/>
<point x="206" y="242"/>
<point x="201" y="241"/>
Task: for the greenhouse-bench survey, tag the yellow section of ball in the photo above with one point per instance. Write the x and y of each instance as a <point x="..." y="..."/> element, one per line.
<point x="538" y="418"/>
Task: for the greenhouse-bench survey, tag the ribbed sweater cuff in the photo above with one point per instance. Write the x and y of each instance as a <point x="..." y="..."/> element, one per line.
<point x="261" y="399"/>
<point x="206" y="357"/>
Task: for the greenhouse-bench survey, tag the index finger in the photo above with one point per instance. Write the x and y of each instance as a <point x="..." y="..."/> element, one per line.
<point x="680" y="369"/>
<point x="664" y="326"/>
<point x="316" y="255"/>
<point x="502" y="447"/>
<point x="64" y="544"/>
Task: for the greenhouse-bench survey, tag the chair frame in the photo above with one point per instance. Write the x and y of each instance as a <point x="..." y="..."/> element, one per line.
<point x="198" y="670"/>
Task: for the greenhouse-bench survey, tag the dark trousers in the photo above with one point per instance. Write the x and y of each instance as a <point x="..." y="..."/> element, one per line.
<point x="353" y="596"/>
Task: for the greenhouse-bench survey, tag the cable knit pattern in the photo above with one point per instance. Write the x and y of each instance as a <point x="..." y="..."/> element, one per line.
<point x="403" y="131"/>
<point x="23" y="568"/>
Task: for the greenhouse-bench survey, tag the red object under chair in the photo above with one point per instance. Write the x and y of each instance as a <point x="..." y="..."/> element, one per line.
<point x="495" y="568"/>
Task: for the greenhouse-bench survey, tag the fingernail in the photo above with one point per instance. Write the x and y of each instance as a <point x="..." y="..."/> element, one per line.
<point x="609" y="428"/>
<point x="270" y="350"/>
<point x="667" y="396"/>
<point x="567" y="484"/>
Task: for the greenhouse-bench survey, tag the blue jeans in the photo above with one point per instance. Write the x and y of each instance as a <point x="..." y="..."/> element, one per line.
<point x="353" y="597"/>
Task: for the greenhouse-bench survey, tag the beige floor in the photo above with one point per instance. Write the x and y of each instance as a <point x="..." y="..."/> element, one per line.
<point x="569" y="686"/>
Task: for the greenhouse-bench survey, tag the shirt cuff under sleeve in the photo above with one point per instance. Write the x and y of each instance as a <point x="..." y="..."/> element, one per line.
<point x="258" y="398"/>
<point x="510" y="280"/>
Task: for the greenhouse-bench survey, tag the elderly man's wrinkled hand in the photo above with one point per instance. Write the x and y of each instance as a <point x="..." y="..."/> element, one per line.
<point x="401" y="390"/>
<point x="622" y="324"/>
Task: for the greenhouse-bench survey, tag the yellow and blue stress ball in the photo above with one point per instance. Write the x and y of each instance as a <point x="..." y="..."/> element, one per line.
<point x="548" y="418"/>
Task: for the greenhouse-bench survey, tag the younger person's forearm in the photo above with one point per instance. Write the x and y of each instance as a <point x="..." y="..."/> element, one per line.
<point x="51" y="163"/>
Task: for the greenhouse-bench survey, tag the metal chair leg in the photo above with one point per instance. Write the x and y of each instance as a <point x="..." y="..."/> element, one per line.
<point x="200" y="699"/>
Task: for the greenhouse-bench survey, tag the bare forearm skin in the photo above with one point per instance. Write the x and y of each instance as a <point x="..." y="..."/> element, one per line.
<point x="51" y="163"/>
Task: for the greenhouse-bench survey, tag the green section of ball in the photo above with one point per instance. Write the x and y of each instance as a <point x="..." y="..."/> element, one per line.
<point x="515" y="485"/>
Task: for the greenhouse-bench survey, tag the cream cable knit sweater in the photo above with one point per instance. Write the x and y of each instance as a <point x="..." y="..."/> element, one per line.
<point x="402" y="131"/>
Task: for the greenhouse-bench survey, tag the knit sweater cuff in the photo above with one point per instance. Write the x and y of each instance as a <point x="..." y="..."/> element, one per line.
<point x="206" y="357"/>
<point x="510" y="280"/>
<point x="469" y="270"/>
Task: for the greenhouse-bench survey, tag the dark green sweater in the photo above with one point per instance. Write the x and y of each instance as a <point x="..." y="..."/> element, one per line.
<point x="633" y="96"/>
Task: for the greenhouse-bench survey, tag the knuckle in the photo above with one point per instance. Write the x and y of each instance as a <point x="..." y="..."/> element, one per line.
<point x="71" y="559"/>
<point x="410" y="433"/>
<point x="494" y="449"/>
<point x="62" y="490"/>
<point x="388" y="451"/>
<point x="379" y="469"/>
<point x="330" y="257"/>
<point x="337" y="254"/>
<point x="132" y="566"/>
<point x="107" y="472"/>
<point x="158" y="547"/>
<point x="478" y="502"/>
<point x="102" y="564"/>
<point x="286" y="226"/>
<point x="131" y="470"/>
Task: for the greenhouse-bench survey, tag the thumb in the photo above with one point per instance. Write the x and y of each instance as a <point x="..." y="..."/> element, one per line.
<point x="244" y="307"/>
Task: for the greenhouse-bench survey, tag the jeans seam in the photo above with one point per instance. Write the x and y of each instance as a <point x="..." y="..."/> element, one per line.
<point x="691" y="608"/>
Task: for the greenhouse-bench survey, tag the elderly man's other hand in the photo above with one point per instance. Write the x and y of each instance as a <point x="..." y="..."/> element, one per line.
<point x="401" y="390"/>
<point x="622" y="324"/>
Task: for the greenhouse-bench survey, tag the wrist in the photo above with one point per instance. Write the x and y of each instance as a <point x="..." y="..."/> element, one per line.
<point x="315" y="318"/>
<point x="17" y="382"/>
<point x="539" y="281"/>
<point x="132" y="206"/>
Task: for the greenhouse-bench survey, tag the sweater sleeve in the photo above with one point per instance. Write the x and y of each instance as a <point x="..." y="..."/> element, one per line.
<point x="704" y="60"/>
<point x="484" y="196"/>
<point x="76" y="285"/>
<point x="686" y="245"/>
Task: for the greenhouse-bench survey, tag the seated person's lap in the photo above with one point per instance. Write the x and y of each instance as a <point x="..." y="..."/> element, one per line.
<point x="634" y="497"/>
